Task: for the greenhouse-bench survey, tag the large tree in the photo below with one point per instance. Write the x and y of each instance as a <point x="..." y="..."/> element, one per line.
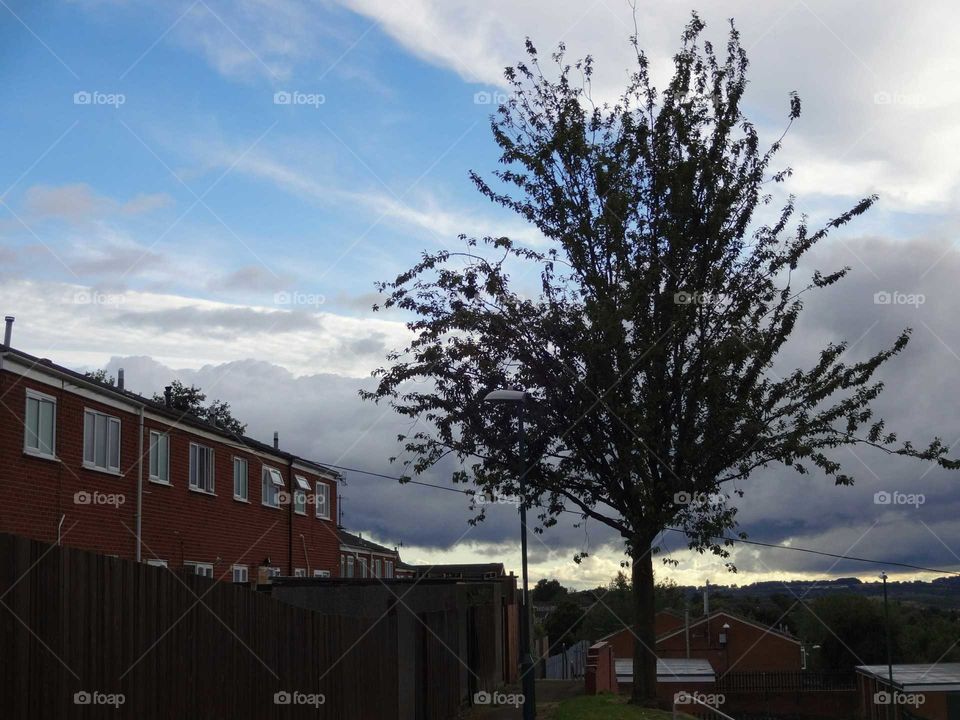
<point x="191" y="399"/>
<point x="666" y="287"/>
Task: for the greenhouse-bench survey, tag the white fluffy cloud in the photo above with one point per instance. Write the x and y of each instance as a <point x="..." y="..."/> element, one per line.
<point x="878" y="114"/>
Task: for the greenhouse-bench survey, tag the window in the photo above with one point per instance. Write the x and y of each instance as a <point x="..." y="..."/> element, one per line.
<point x="388" y="565"/>
<point x="101" y="441"/>
<point x="240" y="479"/>
<point x="376" y="567"/>
<point x="350" y="566"/>
<point x="273" y="572"/>
<point x="41" y="424"/>
<point x="156" y="562"/>
<point x="160" y="457"/>
<point x="201" y="468"/>
<point x="240" y="574"/>
<point x="363" y="567"/>
<point x="299" y="572"/>
<point x="343" y="564"/>
<point x="204" y="569"/>
<point x="321" y="573"/>
<point x="323" y="501"/>
<point x="300" y="495"/>
<point x="272" y="484"/>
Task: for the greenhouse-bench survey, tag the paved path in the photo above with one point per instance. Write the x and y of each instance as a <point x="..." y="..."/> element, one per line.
<point x="549" y="692"/>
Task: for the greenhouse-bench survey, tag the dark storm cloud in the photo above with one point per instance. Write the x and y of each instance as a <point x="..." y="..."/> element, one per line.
<point x="321" y="417"/>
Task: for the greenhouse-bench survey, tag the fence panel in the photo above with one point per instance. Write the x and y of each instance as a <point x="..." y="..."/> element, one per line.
<point x="174" y="645"/>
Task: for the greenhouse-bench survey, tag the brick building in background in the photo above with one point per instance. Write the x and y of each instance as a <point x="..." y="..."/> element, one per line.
<point x="101" y="468"/>
<point x="360" y="558"/>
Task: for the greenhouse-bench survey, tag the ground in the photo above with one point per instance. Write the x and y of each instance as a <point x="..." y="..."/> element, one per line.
<point x="564" y="700"/>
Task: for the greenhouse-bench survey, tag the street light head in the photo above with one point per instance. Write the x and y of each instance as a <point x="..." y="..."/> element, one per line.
<point x="883" y="575"/>
<point x="506" y="396"/>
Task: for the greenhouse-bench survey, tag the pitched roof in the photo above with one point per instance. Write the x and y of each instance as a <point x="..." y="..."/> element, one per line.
<point x="722" y="613"/>
<point x="177" y="416"/>
<point x="358" y="542"/>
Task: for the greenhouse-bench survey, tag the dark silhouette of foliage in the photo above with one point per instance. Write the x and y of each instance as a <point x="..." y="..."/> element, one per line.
<point x="190" y="399"/>
<point x="667" y="285"/>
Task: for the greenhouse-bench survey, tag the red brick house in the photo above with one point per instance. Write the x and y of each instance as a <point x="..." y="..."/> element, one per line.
<point x="729" y="643"/>
<point x="361" y="558"/>
<point x="97" y="467"/>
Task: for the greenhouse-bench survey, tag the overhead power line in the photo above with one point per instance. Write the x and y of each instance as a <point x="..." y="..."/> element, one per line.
<point x="794" y="548"/>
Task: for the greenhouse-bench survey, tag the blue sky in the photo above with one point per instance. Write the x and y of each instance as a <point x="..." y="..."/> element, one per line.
<point x="184" y="223"/>
<point x="312" y="195"/>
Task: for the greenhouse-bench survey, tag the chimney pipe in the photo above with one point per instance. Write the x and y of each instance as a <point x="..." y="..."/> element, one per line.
<point x="120" y="379"/>
<point x="8" y="331"/>
<point x="276" y="440"/>
<point x="168" y="395"/>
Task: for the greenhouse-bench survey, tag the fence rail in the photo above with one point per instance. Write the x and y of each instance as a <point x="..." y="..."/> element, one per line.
<point x="786" y="681"/>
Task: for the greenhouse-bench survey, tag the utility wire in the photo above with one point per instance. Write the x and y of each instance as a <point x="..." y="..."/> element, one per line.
<point x="680" y="530"/>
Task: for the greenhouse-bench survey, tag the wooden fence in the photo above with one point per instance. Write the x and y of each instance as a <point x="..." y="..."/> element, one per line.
<point x="85" y="636"/>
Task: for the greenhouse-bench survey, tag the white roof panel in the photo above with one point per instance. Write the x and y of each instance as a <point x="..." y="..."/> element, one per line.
<point x="918" y="676"/>
<point x="670" y="670"/>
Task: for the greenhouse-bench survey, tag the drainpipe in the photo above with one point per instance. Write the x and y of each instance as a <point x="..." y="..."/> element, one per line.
<point x="60" y="527"/>
<point x="139" y="483"/>
<point x="305" y="555"/>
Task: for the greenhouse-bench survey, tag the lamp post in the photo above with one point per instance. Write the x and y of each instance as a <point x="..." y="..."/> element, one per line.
<point x="886" y="619"/>
<point x="520" y="397"/>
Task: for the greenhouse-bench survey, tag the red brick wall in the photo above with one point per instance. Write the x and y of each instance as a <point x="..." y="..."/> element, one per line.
<point x="622" y="642"/>
<point x="178" y="524"/>
<point x="748" y="648"/>
<point x="369" y="558"/>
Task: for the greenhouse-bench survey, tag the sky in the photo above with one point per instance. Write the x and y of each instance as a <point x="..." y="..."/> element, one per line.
<point x="210" y="190"/>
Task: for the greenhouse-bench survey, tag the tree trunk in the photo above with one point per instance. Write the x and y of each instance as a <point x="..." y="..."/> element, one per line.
<point x="644" y="640"/>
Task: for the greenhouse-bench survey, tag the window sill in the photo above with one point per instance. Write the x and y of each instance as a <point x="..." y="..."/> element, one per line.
<point x="203" y="492"/>
<point x="105" y="471"/>
<point x="165" y="483"/>
<point x="301" y="514"/>
<point x="240" y="499"/>
<point x="272" y="507"/>
<point x="40" y="455"/>
<point x="322" y="517"/>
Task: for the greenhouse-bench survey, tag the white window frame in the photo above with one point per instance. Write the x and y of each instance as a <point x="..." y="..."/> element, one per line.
<point x="351" y="564"/>
<point x="92" y="415"/>
<point x="245" y="464"/>
<point x="302" y="487"/>
<point x="271" y="479"/>
<point x="154" y="436"/>
<point x="195" y="484"/>
<point x="38" y="451"/>
<point x="272" y="571"/>
<point x="363" y="567"/>
<point x="377" y="565"/>
<point x="388" y="568"/>
<point x="200" y="568"/>
<point x="242" y="571"/>
<point x="343" y="565"/>
<point x="322" y="510"/>
<point x="321" y="573"/>
<point x="300" y="572"/>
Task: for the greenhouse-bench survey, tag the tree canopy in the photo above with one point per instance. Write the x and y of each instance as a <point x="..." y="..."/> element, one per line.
<point x="667" y="282"/>
<point x="191" y="399"/>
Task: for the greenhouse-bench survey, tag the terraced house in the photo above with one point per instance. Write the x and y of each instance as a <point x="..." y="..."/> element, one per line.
<point x="95" y="466"/>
